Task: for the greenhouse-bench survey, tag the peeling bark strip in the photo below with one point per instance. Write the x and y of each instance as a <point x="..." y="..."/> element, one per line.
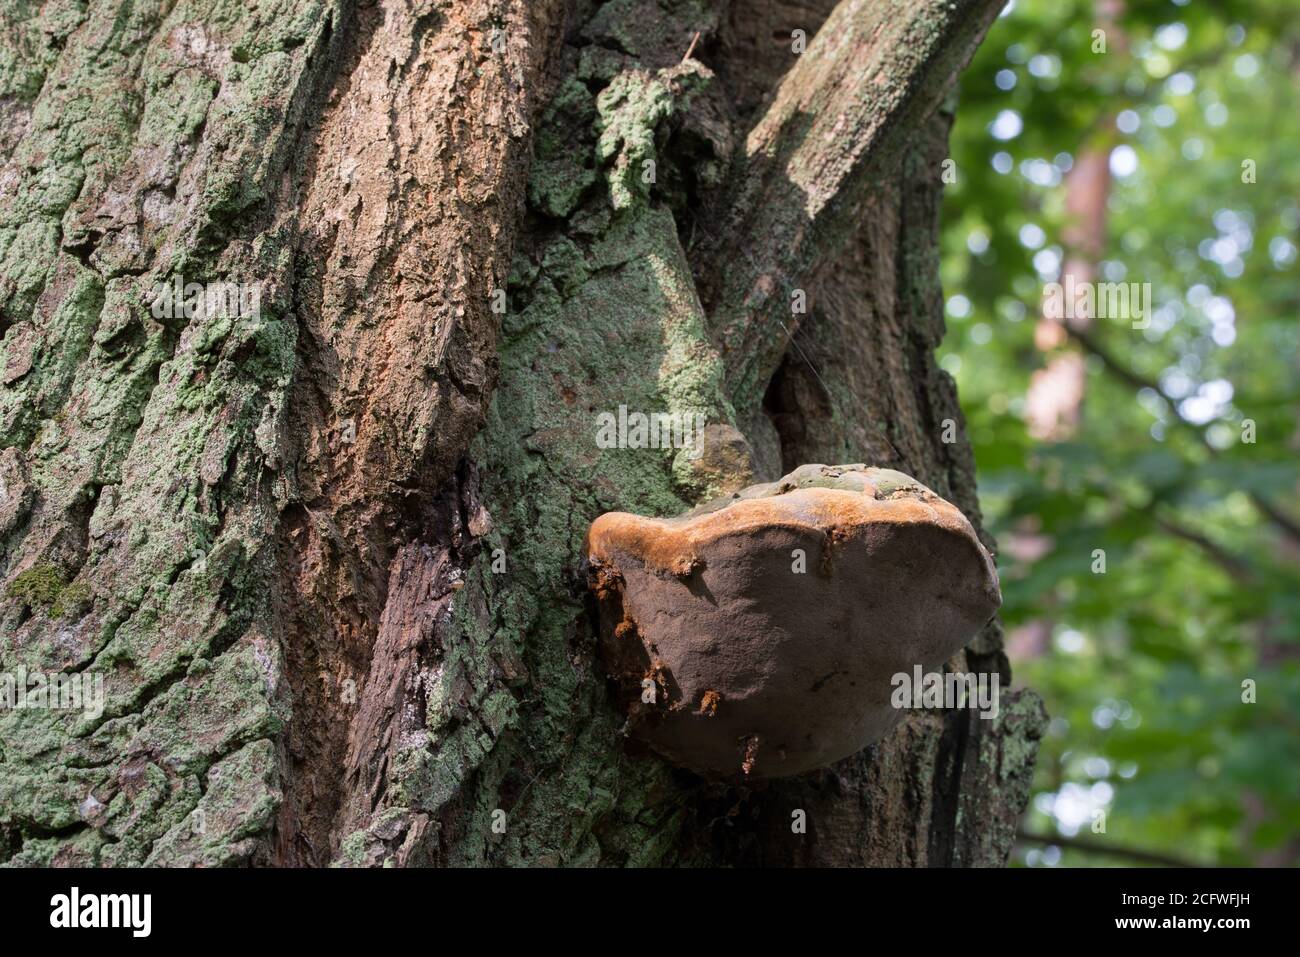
<point x="839" y="122"/>
<point x="390" y="711"/>
<point x="326" y="556"/>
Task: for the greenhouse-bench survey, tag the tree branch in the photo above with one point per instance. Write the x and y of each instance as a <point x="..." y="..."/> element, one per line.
<point x="1280" y="519"/>
<point x="840" y="121"/>
<point x="1237" y="569"/>
<point x="1098" y="847"/>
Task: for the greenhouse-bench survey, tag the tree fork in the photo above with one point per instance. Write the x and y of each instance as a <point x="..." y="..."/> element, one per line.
<point x="836" y="127"/>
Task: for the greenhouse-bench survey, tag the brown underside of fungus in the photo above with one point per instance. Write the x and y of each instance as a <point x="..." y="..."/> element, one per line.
<point x="757" y="636"/>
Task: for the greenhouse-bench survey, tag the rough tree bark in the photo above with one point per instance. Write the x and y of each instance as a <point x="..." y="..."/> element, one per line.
<point x="326" y="557"/>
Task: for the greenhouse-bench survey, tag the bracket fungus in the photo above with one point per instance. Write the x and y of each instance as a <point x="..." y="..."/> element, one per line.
<point x="757" y="636"/>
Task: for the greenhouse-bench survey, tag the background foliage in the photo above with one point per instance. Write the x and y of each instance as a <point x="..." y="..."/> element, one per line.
<point x="1142" y="666"/>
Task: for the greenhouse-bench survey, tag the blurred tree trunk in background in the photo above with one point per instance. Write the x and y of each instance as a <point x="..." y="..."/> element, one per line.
<point x="324" y="552"/>
<point x="1054" y="403"/>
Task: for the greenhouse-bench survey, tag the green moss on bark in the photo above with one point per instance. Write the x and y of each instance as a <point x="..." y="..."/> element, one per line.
<point x="38" y="586"/>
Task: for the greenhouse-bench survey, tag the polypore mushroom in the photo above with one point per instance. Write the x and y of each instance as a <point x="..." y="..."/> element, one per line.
<point x="758" y="635"/>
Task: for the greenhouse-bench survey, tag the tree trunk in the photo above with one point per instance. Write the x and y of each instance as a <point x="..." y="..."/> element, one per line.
<point x="325" y="553"/>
